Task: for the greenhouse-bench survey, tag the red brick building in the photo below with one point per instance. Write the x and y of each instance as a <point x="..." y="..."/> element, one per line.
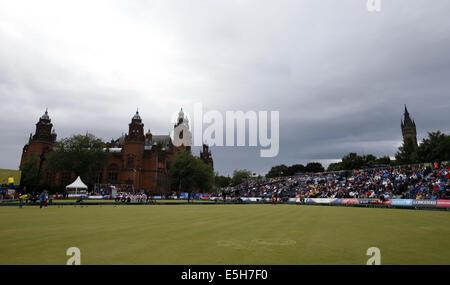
<point x="137" y="158"/>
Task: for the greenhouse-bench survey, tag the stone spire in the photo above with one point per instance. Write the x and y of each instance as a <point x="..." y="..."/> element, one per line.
<point x="408" y="128"/>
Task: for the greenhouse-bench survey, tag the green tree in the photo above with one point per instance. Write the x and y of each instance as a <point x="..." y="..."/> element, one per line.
<point x="30" y="169"/>
<point x="352" y="161"/>
<point x="189" y="173"/>
<point x="314" y="167"/>
<point x="435" y="148"/>
<point x="283" y="170"/>
<point x="296" y="168"/>
<point x="203" y="176"/>
<point x="406" y="153"/>
<point x="82" y="154"/>
<point x="239" y="176"/>
<point x="368" y="160"/>
<point x="278" y="171"/>
<point x="336" y="166"/>
<point x="222" y="181"/>
<point x="383" y="160"/>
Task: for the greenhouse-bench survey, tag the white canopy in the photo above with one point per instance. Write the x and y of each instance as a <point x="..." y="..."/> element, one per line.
<point x="77" y="184"/>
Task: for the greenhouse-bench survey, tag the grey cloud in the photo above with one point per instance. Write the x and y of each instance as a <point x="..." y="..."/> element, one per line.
<point x="338" y="74"/>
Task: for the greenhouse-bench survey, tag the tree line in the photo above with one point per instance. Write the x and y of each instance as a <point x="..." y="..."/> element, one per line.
<point x="434" y="148"/>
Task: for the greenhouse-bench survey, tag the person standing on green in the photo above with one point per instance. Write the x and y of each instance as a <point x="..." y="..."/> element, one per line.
<point x="42" y="199"/>
<point x="22" y="198"/>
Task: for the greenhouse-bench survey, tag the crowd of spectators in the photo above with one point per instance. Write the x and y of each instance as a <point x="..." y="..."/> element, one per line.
<point x="415" y="182"/>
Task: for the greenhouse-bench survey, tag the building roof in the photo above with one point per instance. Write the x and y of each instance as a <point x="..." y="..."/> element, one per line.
<point x="45" y="116"/>
<point x="163" y="140"/>
<point x="136" y="116"/>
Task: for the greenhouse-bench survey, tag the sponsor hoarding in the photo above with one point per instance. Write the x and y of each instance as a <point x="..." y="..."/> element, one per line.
<point x="443" y="203"/>
<point x="425" y="203"/>
<point x="363" y="201"/>
<point x="323" y="200"/>
<point x="381" y="202"/>
<point x="402" y="202"/>
<point x="351" y="201"/>
<point x="97" y="197"/>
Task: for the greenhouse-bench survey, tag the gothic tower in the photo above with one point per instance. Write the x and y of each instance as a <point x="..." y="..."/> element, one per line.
<point x="42" y="141"/>
<point x="133" y="152"/>
<point x="409" y="128"/>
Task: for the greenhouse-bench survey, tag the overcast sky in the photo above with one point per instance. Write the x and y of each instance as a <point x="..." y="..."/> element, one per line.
<point x="338" y="74"/>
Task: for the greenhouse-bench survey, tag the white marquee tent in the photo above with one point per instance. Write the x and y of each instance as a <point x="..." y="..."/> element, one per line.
<point x="77" y="185"/>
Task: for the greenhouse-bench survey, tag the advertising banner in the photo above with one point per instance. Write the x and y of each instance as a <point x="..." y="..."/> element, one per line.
<point x="96" y="197"/>
<point x="351" y="201"/>
<point x="381" y="202"/>
<point x="363" y="201"/>
<point x="84" y="196"/>
<point x="443" y="203"/>
<point x="323" y="200"/>
<point x="402" y="202"/>
<point x="425" y="203"/>
<point x="253" y="199"/>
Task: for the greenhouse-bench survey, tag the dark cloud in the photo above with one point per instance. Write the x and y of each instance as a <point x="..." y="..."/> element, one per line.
<point x="338" y="74"/>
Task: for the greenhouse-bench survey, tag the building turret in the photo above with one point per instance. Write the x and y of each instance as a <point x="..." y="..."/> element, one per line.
<point x="182" y="134"/>
<point x="43" y="139"/>
<point x="205" y="155"/>
<point x="44" y="130"/>
<point x="135" y="129"/>
<point x="148" y="136"/>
